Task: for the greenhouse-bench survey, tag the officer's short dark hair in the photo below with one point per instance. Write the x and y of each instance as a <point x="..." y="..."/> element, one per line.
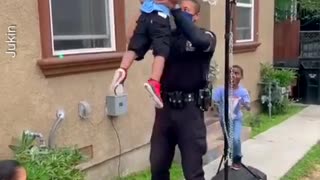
<point x="197" y="4"/>
<point x="240" y="68"/>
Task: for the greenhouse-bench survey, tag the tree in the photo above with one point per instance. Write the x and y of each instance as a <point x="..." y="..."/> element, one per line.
<point x="287" y="9"/>
<point x="310" y="5"/>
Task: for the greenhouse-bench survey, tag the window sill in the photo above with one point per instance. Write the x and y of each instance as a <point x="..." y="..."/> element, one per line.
<point x="245" y="47"/>
<point x="74" y="64"/>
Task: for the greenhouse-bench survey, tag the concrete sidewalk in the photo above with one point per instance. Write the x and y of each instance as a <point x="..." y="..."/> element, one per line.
<point x="275" y="151"/>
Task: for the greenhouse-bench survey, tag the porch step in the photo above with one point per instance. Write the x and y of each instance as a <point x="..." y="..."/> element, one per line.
<point x="214" y="131"/>
<point x="215" y="149"/>
<point x="214" y="145"/>
<point x="210" y="120"/>
<point x="215" y="142"/>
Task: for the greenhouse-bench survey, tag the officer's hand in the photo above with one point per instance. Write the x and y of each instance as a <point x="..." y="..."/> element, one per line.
<point x="169" y="3"/>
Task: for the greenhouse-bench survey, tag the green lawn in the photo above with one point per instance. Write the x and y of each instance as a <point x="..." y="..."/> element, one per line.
<point x="262" y="122"/>
<point x="306" y="165"/>
<point x="175" y="174"/>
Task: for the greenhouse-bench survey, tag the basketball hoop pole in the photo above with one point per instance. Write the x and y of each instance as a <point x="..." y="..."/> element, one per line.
<point x="228" y="14"/>
<point x="226" y="84"/>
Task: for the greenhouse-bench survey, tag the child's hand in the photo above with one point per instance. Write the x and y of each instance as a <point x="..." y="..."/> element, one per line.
<point x="245" y="105"/>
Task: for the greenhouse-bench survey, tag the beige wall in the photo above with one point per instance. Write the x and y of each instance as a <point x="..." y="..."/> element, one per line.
<point x="29" y="100"/>
<point x="249" y="61"/>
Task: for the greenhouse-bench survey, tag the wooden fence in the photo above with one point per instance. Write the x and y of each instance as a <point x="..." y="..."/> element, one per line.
<point x="286" y="40"/>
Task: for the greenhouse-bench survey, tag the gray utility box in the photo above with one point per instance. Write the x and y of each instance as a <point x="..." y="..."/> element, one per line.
<point x="117" y="105"/>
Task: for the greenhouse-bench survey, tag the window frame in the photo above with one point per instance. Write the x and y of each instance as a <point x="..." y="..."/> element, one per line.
<point x="51" y="65"/>
<point x="242" y="46"/>
<point x="251" y="6"/>
<point x="87" y="50"/>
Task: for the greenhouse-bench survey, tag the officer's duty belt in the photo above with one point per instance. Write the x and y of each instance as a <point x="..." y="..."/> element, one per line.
<point x="176" y="96"/>
<point x="178" y="99"/>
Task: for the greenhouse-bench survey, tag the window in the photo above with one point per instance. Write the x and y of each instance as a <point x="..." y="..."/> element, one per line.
<point x="81" y="35"/>
<point x="246" y="25"/>
<point x="81" y="26"/>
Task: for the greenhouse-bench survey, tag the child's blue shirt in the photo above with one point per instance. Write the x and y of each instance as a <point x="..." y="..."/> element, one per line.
<point x="241" y="92"/>
<point x="149" y="5"/>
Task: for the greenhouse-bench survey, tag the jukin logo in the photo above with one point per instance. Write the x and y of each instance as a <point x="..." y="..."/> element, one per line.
<point x="11" y="40"/>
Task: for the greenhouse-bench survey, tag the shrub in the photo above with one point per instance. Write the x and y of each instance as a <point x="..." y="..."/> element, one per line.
<point x="284" y="77"/>
<point x="48" y="164"/>
<point x="278" y="79"/>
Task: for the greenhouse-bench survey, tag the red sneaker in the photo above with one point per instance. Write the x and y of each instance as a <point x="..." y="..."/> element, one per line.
<point x="154" y="89"/>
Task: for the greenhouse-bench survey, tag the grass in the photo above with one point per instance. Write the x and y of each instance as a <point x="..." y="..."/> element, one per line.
<point x="262" y="122"/>
<point x="175" y="174"/>
<point x="306" y="165"/>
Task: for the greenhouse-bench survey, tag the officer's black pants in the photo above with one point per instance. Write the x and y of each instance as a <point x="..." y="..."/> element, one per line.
<point x="185" y="128"/>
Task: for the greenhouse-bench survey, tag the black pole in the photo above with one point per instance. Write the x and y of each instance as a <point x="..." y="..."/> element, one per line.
<point x="226" y="86"/>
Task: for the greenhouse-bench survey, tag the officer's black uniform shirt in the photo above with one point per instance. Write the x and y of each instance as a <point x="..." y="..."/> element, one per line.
<point x="187" y="66"/>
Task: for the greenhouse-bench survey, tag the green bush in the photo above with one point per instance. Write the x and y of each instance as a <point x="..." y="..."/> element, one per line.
<point x="48" y="164"/>
<point x="283" y="77"/>
<point x="278" y="79"/>
<point x="252" y="120"/>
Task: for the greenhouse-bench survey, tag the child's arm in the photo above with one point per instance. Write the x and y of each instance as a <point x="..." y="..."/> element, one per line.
<point x="245" y="100"/>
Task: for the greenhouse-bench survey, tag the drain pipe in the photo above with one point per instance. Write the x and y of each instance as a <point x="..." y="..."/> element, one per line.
<point x="60" y="117"/>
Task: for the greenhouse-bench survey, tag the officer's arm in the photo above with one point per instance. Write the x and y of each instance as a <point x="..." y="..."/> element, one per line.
<point x="200" y="39"/>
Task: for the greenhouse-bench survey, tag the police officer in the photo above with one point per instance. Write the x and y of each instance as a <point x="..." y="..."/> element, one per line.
<point x="185" y="95"/>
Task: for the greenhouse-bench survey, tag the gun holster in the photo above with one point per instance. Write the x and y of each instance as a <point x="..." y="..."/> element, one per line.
<point x="204" y="99"/>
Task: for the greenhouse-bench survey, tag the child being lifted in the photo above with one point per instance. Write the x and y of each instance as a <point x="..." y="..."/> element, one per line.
<point x="152" y="30"/>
